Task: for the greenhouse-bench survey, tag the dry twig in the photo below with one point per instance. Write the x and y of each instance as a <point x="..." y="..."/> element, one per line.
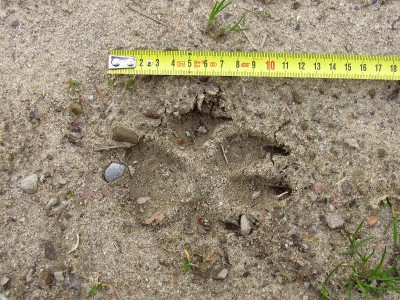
<point x="76" y="245"/>
<point x="112" y="147"/>
<point x="224" y="154"/>
<point x="134" y="8"/>
<point x="247" y="37"/>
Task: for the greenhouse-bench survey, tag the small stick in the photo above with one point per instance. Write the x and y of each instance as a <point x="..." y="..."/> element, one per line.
<point x="116" y="293"/>
<point x="247" y="37"/>
<point x="287" y="107"/>
<point x="283" y="194"/>
<point x="249" y="10"/>
<point x="132" y="7"/>
<point x="223" y="152"/>
<point x="100" y="95"/>
<point x="112" y="147"/>
<point x="263" y="41"/>
<point x="83" y="100"/>
<point x="76" y="245"/>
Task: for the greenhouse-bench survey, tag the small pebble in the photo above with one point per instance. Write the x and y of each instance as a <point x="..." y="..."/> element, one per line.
<point x="131" y="170"/>
<point x="59" y="276"/>
<point x="381" y="152"/>
<point x="113" y="172"/>
<point x="122" y="134"/>
<point x="222" y="239"/>
<point x="313" y="197"/>
<point x="50" y="250"/>
<point x="30" y="184"/>
<point x="51" y="203"/>
<point x="334" y="221"/>
<point x="90" y="98"/>
<point x="296" y="239"/>
<point x="318" y="186"/>
<point x="222" y="274"/>
<point x="246" y="274"/>
<point x="372" y="92"/>
<point x="255" y="195"/>
<point x="345" y="187"/>
<point x="29" y="275"/>
<point x="202" y="129"/>
<point x="303" y="248"/>
<point x="4" y="296"/>
<point x="74" y="282"/>
<point x="105" y="192"/>
<point x="47" y="276"/>
<point x="212" y="90"/>
<point x="15" y="23"/>
<point x="296" y="97"/>
<point x="4" y="280"/>
<point x="143" y="200"/>
<point x="245" y="226"/>
<point x="76" y="108"/>
<point x="352" y="143"/>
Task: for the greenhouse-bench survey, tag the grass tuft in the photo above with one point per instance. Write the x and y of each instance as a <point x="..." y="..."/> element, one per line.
<point x="216" y="10"/>
<point x="235" y="27"/>
<point x="365" y="277"/>
<point x="218" y="7"/>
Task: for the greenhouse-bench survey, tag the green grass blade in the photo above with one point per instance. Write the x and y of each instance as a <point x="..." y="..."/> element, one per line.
<point x="355" y="234"/>
<point x="363" y="291"/>
<point x="324" y="289"/>
<point x="378" y="268"/>
<point x="362" y="242"/>
<point x="217" y="8"/>
<point x="350" y="287"/>
<point x="395" y="231"/>
<point x="235" y="27"/>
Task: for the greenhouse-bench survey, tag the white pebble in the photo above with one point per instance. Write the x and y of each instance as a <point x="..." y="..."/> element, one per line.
<point x="52" y="202"/>
<point x="59" y="276"/>
<point x="245" y="226"/>
<point x="334" y="221"/>
<point x="143" y="200"/>
<point x="30" y="184"/>
<point x="113" y="172"/>
<point x="222" y="274"/>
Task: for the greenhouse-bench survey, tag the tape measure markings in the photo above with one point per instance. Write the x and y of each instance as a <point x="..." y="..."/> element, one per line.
<point x="257" y="64"/>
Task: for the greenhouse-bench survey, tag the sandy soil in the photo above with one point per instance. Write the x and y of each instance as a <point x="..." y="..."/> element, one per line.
<point x="297" y="152"/>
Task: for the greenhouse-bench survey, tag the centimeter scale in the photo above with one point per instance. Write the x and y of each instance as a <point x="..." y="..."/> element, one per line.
<point x="253" y="64"/>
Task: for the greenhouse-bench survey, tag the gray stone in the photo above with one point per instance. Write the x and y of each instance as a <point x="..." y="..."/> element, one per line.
<point x="113" y="172"/>
<point x="352" y="143"/>
<point x="334" y="221"/>
<point x="76" y="285"/>
<point x="143" y="200"/>
<point x="202" y="129"/>
<point x="15" y="23"/>
<point x="122" y="134"/>
<point x="29" y="185"/>
<point x="212" y="90"/>
<point x="4" y="280"/>
<point x="345" y="187"/>
<point x="51" y="203"/>
<point x="59" y="276"/>
<point x="29" y="275"/>
<point x="222" y="274"/>
<point x="313" y="197"/>
<point x="245" y="226"/>
<point x="3" y="296"/>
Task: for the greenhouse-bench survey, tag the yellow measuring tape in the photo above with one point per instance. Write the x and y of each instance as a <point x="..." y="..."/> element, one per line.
<point x="253" y="64"/>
